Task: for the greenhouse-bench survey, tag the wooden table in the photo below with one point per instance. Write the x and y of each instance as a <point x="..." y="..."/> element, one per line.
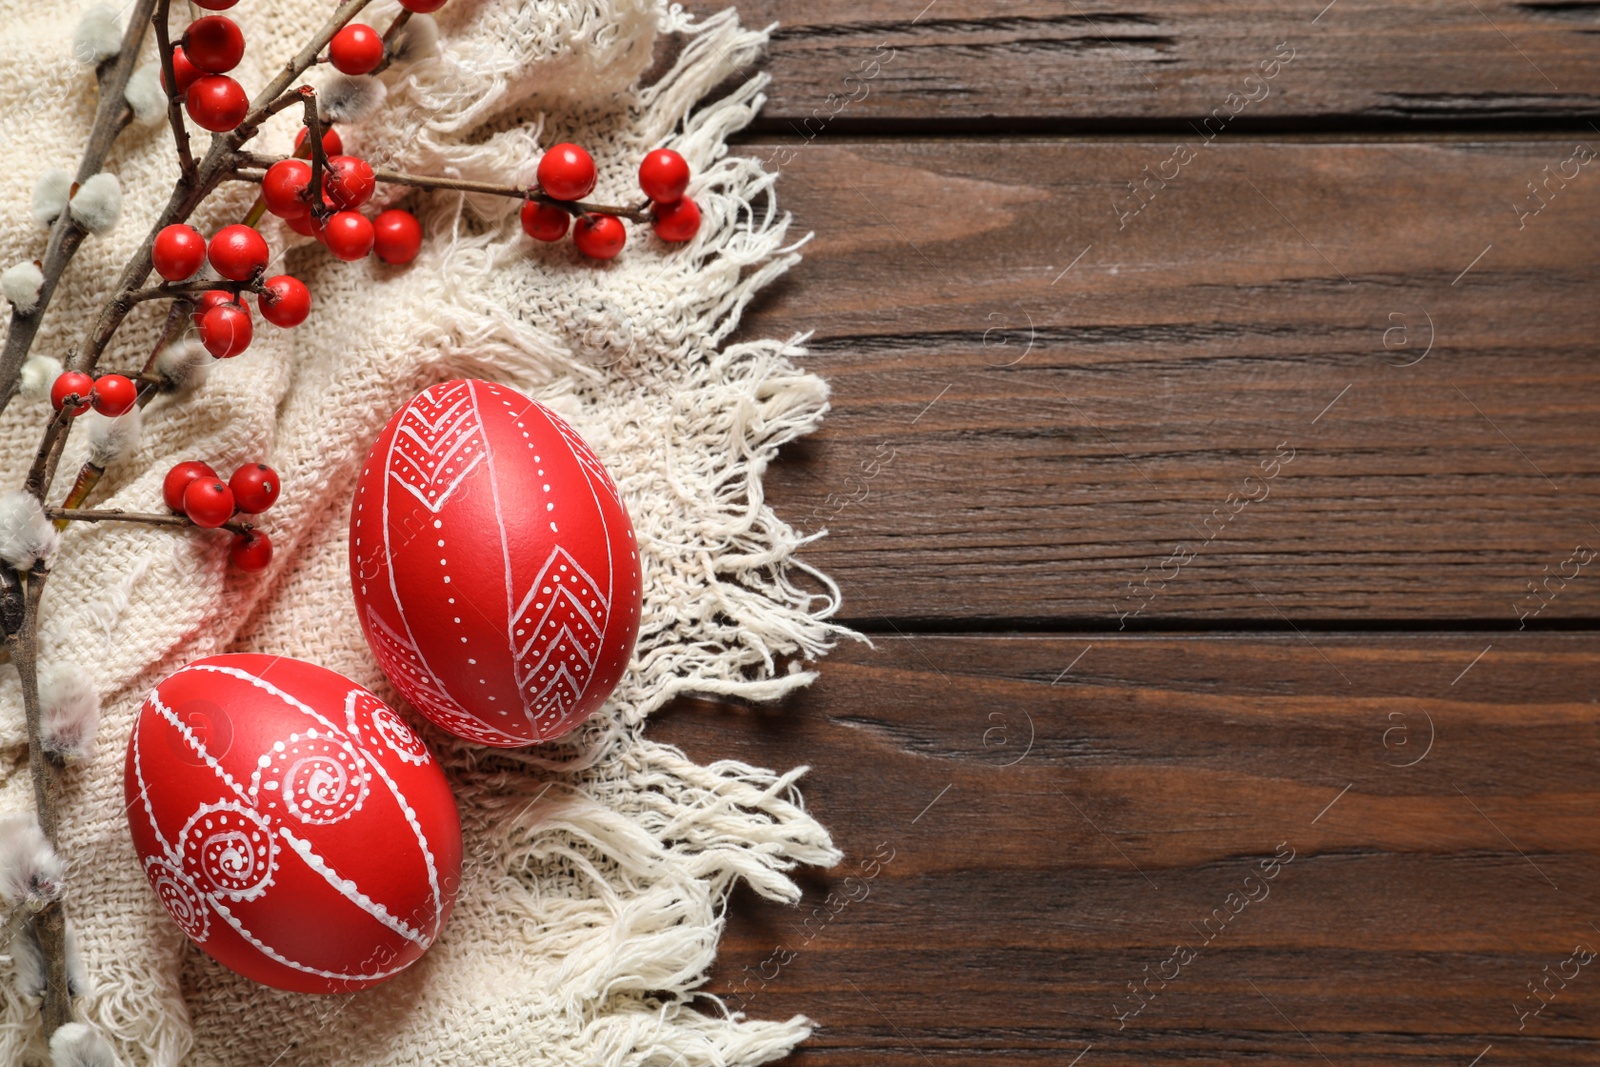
<point x="1212" y="465"/>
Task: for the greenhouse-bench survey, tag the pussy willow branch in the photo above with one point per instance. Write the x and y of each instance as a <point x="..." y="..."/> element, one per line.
<point x="111" y="117"/>
<point x="50" y="923"/>
<point x="193" y="186"/>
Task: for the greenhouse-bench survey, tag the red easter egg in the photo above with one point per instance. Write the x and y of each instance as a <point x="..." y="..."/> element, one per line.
<point x="493" y="564"/>
<point x="292" y="824"/>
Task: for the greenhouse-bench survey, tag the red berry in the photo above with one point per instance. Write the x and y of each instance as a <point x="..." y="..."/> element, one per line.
<point x="304" y="225"/>
<point x="72" y="383"/>
<point x="113" y="394"/>
<point x="184" y="71"/>
<point x="178" y="479"/>
<point x="238" y="252"/>
<point x="678" y="221"/>
<point x="664" y="175"/>
<point x="422" y="7"/>
<point x="356" y="49"/>
<point x="286" y="302"/>
<point x="214" y="44"/>
<point x="215" y="5"/>
<point x="599" y="236"/>
<point x="332" y="143"/>
<point x="255" y="487"/>
<point x="217" y="103"/>
<point x="226" y="330"/>
<point x="209" y="299"/>
<point x="566" y="172"/>
<point x="348" y="183"/>
<point x="544" y="222"/>
<point x="178" y="252"/>
<point x="396" y="236"/>
<point x="283" y="188"/>
<point x="208" y="502"/>
<point x="347" y="234"/>
<point x="251" y="551"/>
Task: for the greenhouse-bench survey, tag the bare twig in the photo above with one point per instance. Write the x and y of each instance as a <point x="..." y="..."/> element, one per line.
<point x="148" y="518"/>
<point x="156" y="292"/>
<point x="177" y="316"/>
<point x="463" y="185"/>
<point x="89" y="476"/>
<point x="169" y="80"/>
<point x="388" y="41"/>
<point x="319" y="153"/>
<point x="291" y="71"/>
<point x="44" y="461"/>
<point x="282" y="103"/>
<point x="575" y="207"/>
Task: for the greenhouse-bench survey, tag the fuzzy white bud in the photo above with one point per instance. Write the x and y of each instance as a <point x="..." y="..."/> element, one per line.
<point x="98" y="36"/>
<point x="28" y="960"/>
<point x="145" y="95"/>
<point x="31" y="873"/>
<point x="26" y="536"/>
<point x="111" y="439"/>
<point x="27" y="963"/>
<point x="21" y="283"/>
<point x="50" y="195"/>
<point x="39" y="373"/>
<point x="69" y="709"/>
<point x="182" y="366"/>
<point x="77" y="1045"/>
<point x="348" y="98"/>
<point x="97" y="205"/>
<point x="417" y="39"/>
<point x="77" y="971"/>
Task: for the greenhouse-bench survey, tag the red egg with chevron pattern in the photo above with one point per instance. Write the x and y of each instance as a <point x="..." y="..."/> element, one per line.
<point x="493" y="564"/>
<point x="291" y="823"/>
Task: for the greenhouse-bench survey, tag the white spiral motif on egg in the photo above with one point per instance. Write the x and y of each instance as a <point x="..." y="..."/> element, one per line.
<point x="398" y="736"/>
<point x="181" y="899"/>
<point x="230" y="849"/>
<point x="316" y="779"/>
<point x="370" y="718"/>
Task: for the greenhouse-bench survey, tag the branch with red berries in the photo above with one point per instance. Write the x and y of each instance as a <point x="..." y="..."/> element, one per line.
<point x="319" y="191"/>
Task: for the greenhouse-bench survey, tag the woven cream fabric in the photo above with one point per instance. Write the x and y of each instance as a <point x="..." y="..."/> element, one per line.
<point x="598" y="866"/>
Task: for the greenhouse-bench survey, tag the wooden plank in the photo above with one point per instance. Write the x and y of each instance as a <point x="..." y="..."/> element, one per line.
<point x="1318" y="381"/>
<point x="844" y="65"/>
<point x="1048" y="822"/>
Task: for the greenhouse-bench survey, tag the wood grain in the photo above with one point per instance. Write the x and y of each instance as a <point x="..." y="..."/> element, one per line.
<point x="844" y="66"/>
<point x="1320" y="362"/>
<point x="1051" y="414"/>
<point x="1054" y="831"/>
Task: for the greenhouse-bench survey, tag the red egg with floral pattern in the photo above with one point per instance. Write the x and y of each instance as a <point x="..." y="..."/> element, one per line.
<point x="493" y="564"/>
<point x="291" y="823"/>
